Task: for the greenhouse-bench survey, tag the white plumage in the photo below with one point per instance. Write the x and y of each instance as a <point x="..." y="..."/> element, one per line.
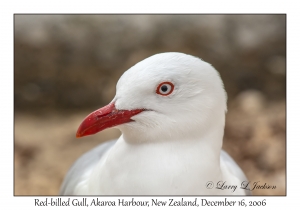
<point x="172" y="146"/>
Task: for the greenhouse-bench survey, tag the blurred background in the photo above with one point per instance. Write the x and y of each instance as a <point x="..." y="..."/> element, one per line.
<point x="66" y="66"/>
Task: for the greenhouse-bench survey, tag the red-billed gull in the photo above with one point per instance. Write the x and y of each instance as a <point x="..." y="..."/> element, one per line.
<point x="171" y="110"/>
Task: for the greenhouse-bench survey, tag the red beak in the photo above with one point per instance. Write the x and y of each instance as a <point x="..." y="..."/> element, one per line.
<point x="105" y="117"/>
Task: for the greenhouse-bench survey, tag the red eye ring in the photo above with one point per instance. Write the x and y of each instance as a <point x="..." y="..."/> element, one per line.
<point x="165" y="88"/>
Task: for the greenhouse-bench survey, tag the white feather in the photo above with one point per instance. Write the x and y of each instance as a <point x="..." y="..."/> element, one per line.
<point x="175" y="148"/>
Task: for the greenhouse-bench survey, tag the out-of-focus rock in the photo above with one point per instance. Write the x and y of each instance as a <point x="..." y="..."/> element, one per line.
<point x="273" y="156"/>
<point x="257" y="140"/>
<point x="277" y="65"/>
<point x="250" y="101"/>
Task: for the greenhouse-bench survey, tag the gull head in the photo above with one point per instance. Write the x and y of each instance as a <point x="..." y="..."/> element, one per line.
<point x="166" y="96"/>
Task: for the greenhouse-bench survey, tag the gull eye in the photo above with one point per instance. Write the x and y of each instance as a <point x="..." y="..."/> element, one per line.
<point x="165" y="88"/>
